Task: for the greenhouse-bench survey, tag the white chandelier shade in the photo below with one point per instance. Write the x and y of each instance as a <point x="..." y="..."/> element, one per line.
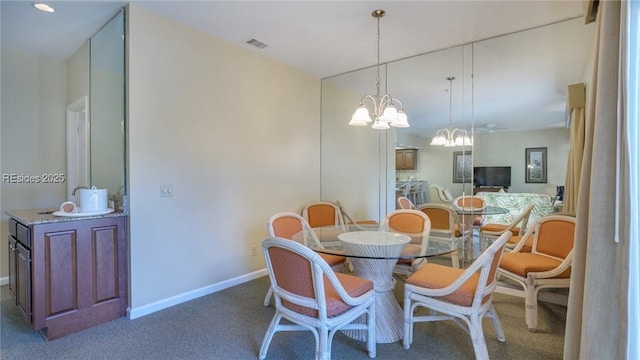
<point x="385" y="112"/>
<point x="449" y="136"/>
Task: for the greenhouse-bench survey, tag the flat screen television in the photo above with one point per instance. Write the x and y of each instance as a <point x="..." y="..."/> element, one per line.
<point x="492" y="176"/>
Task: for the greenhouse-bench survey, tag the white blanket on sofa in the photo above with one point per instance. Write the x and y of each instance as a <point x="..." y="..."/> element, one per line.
<point x="516" y="203"/>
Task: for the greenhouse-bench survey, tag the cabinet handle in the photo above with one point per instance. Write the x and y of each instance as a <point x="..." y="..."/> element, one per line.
<point x="13" y="248"/>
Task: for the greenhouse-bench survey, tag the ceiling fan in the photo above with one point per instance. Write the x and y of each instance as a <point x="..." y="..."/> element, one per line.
<point x="489" y="128"/>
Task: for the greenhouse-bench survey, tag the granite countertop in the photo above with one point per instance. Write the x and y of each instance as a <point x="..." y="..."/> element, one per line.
<point x="44" y="216"/>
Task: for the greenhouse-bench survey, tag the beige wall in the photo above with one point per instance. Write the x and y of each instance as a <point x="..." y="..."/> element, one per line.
<point x="33" y="133"/>
<point x="236" y="134"/>
<point x="78" y="74"/>
<point x="353" y="159"/>
<point x="508" y="149"/>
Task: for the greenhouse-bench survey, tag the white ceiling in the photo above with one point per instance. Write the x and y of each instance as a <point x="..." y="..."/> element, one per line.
<point x="322" y="38"/>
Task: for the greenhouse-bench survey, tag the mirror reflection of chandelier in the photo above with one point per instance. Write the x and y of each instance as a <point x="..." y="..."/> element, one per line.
<point x="384" y="109"/>
<point x="450" y="136"/>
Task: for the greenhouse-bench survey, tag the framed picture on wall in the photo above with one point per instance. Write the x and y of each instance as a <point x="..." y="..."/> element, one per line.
<point x="462" y="166"/>
<point x="536" y="165"/>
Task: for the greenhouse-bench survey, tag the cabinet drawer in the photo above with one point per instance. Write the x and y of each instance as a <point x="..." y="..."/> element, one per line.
<point x="23" y="234"/>
<point x="12" y="226"/>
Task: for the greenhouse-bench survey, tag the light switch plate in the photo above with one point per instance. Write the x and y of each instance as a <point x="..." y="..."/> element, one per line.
<point x="166" y="190"/>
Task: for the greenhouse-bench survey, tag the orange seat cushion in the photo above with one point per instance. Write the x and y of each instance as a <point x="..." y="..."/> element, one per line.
<point x="434" y="276"/>
<point x="367" y="222"/>
<point x="333" y="259"/>
<point x="513" y="241"/>
<point x="410" y="250"/>
<point x="353" y="285"/>
<point x="498" y="227"/>
<point x="293" y="273"/>
<point x="523" y="263"/>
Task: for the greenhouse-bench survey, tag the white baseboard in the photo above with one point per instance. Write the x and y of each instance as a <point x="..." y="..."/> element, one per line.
<point x="194" y="294"/>
<point x="4" y="281"/>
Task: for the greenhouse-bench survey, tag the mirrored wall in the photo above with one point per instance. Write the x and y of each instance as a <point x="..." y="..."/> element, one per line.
<point x="107" y="106"/>
<point x="509" y="92"/>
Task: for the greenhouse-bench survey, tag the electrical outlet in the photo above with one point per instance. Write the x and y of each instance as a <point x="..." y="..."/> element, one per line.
<point x="254" y="251"/>
<point x="166" y="190"/>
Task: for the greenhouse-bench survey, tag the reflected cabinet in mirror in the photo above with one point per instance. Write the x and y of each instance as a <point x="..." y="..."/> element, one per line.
<point x="107" y="107"/>
<point x="509" y="94"/>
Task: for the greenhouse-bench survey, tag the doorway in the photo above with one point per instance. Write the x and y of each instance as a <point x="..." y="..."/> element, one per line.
<point x="77" y="146"/>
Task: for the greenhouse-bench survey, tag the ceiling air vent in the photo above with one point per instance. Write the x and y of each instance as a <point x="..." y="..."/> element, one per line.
<point x="257" y="43"/>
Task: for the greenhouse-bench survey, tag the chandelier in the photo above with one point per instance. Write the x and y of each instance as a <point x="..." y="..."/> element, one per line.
<point x="450" y="136"/>
<point x="385" y="112"/>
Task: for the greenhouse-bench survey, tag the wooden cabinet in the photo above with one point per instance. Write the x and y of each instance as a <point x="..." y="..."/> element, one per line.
<point x="20" y="267"/>
<point x="77" y="274"/>
<point x="406" y="159"/>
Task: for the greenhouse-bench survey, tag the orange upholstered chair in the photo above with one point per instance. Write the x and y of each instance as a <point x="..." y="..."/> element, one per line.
<point x="471" y="203"/>
<point x="417" y="226"/>
<point x="547" y="265"/>
<point x="292" y="226"/>
<point x="464" y="295"/>
<point x="447" y="228"/>
<point x="517" y="227"/>
<point x="351" y="224"/>
<point x="323" y="213"/>
<point x="312" y="297"/>
<point x="405" y="203"/>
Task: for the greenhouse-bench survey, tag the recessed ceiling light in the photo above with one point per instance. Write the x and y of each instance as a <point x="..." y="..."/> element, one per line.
<point x="43" y="7"/>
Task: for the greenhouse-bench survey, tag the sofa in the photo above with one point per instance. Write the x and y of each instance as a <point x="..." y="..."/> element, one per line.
<point x="516" y="203"/>
<point x="439" y="195"/>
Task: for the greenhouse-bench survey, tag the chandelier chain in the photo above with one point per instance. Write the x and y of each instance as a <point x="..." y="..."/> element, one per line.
<point x="384" y="107"/>
<point x="450" y="100"/>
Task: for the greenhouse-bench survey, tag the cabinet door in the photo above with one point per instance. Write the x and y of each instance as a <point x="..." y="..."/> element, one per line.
<point x="410" y="159"/>
<point x="13" y="280"/>
<point x="79" y="274"/>
<point x="23" y="280"/>
<point x="399" y="160"/>
<point x="406" y="159"/>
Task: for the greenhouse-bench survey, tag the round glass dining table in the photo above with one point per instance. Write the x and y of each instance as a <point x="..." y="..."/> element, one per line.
<point x="487" y="210"/>
<point x="468" y="216"/>
<point x="373" y="255"/>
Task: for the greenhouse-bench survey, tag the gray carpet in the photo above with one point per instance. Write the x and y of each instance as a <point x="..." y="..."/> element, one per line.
<point x="230" y="324"/>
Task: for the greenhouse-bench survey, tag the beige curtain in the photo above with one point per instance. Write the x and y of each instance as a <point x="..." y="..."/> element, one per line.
<point x="596" y="325"/>
<point x="574" y="164"/>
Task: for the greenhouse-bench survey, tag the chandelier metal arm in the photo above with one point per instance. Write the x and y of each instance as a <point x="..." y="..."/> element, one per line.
<point x="385" y="112"/>
<point x="450" y="136"/>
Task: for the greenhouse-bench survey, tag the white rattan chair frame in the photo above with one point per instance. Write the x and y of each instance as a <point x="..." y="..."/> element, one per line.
<point x="338" y="219"/>
<point x="307" y="238"/>
<point x="405" y="203"/>
<point x="408" y="269"/>
<point x="463" y="206"/>
<point x="533" y="282"/>
<point x="349" y="223"/>
<point x="468" y="317"/>
<point x="522" y="219"/>
<point x="448" y="236"/>
<point x="322" y="326"/>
